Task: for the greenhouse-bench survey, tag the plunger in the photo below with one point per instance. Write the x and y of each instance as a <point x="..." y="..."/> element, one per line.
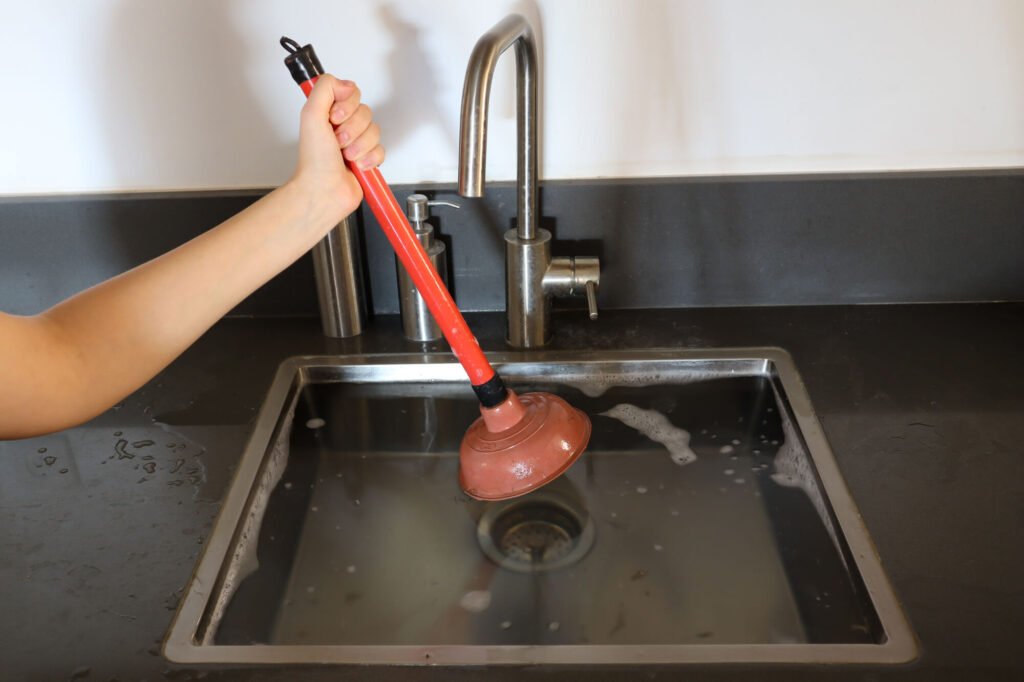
<point x="519" y="443"/>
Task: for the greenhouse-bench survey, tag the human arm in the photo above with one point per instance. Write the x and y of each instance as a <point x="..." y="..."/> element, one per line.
<point x="73" y="361"/>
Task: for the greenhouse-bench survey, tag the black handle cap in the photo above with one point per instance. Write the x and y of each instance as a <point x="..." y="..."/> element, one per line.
<point x="302" y="62"/>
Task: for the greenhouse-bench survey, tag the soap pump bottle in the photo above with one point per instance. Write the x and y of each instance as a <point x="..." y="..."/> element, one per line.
<point x="417" y="322"/>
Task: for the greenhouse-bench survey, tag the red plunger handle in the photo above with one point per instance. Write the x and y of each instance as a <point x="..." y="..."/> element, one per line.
<point x="424" y="275"/>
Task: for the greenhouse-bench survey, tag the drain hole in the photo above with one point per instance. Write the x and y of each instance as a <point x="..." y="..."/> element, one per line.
<point x="534" y="535"/>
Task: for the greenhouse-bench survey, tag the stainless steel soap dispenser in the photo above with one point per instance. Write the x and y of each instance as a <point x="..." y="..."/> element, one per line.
<point x="417" y="322"/>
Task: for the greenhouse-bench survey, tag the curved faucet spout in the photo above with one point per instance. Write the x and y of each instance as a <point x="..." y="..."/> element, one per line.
<point x="512" y="30"/>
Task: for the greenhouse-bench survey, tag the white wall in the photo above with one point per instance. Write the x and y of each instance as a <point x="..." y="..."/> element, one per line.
<point x="135" y="96"/>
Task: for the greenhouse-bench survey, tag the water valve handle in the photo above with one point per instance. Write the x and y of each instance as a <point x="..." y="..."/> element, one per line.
<point x="592" y="298"/>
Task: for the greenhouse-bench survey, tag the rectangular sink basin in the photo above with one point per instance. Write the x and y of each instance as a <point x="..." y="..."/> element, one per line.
<point x="707" y="522"/>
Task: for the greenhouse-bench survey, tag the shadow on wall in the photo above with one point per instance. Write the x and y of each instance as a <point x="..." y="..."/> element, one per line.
<point x="413" y="102"/>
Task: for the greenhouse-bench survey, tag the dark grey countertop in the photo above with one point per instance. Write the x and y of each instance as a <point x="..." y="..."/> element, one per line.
<point x="921" y="404"/>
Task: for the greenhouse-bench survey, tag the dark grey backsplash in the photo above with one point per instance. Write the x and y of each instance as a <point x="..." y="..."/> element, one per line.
<point x="783" y="240"/>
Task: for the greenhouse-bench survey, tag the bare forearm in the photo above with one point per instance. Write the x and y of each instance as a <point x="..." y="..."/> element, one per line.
<point x="77" y="359"/>
<point x="114" y="337"/>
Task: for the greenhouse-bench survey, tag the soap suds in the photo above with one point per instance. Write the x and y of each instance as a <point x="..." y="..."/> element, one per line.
<point x="597" y="385"/>
<point x="657" y="427"/>
<point x="243" y="561"/>
<point x="793" y="469"/>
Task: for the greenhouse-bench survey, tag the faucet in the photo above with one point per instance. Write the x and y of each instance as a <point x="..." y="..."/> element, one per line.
<point x="532" y="276"/>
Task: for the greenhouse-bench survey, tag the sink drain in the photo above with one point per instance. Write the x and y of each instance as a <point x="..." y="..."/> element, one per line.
<point x="541" y="532"/>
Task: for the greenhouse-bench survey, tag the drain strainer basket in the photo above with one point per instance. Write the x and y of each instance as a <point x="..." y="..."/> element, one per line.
<point x="539" y="532"/>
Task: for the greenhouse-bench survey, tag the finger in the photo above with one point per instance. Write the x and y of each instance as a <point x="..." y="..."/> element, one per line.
<point x="346" y="104"/>
<point x="354" y="126"/>
<point x="360" y="146"/>
<point x="372" y="158"/>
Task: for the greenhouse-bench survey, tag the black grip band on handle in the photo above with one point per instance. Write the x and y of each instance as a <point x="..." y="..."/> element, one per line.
<point x="302" y="62"/>
<point x="492" y="392"/>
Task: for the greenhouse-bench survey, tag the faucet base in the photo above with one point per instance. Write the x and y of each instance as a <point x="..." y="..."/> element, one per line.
<point x="527" y="304"/>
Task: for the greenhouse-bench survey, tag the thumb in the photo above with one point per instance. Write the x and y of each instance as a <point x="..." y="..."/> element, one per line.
<point x="320" y="99"/>
<point x="326" y="91"/>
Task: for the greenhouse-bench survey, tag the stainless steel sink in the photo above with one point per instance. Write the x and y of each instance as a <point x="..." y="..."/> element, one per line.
<point x="707" y="522"/>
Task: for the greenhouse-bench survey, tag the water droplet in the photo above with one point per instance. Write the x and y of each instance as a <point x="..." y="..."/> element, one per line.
<point x="315" y="423"/>
<point x="476" y="601"/>
<point x="63" y="471"/>
<point x="287" y="485"/>
<point x="641" y="489"/>
<point x="674" y="512"/>
<point x="506" y="624"/>
<point x="553" y="626"/>
<point x="41" y="450"/>
<point x="150" y="467"/>
<point x="310" y="589"/>
<point x="729" y="472"/>
<point x="740" y="481"/>
<point x="725" y="449"/>
<point x="117" y="433"/>
<point x="350" y="569"/>
<point x="316" y="509"/>
<point x="122" y="452"/>
<point x="658" y="548"/>
<point x="49" y="459"/>
<point x="735" y="441"/>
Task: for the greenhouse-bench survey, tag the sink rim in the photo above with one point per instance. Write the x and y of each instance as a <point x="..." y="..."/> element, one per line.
<point x="181" y="646"/>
